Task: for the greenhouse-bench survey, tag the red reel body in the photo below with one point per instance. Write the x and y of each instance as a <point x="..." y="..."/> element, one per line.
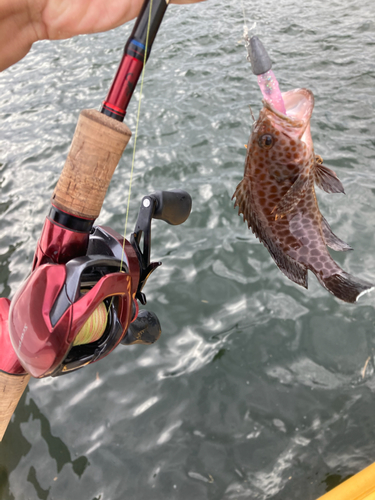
<point x="9" y="362"/>
<point x="55" y="301"/>
<point x="77" y="267"/>
<point x="41" y="339"/>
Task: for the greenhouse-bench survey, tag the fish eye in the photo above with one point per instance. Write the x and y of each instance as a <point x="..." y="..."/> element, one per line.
<point x="265" y="141"/>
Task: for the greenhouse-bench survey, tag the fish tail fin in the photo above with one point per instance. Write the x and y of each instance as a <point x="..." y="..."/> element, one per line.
<point x="344" y="286"/>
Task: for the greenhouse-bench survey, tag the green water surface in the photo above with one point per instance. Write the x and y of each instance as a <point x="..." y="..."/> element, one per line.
<point x="256" y="388"/>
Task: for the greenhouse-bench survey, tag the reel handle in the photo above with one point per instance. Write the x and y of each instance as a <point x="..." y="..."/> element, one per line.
<point x="173" y="207"/>
<point x="145" y="329"/>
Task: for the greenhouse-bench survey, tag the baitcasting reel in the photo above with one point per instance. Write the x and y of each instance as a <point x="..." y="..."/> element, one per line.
<point x="68" y="315"/>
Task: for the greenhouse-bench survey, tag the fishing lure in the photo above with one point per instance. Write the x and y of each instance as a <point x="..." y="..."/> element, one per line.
<point x="261" y="65"/>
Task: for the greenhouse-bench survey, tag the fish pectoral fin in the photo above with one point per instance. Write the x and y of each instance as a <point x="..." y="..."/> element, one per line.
<point x="332" y="240"/>
<point x="326" y="179"/>
<point x="292" y="197"/>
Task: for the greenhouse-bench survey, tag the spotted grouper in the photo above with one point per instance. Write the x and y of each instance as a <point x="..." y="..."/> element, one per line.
<point x="277" y="197"/>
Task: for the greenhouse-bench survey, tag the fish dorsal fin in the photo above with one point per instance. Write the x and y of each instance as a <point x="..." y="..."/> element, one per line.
<point x="332" y="240"/>
<point x="292" y="269"/>
<point x="292" y="197"/>
<point x="325" y="178"/>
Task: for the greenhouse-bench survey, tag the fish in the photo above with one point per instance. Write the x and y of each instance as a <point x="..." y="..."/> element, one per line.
<point x="278" y="201"/>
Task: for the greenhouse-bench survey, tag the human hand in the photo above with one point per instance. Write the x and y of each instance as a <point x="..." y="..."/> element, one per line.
<point x="23" y="22"/>
<point x="66" y="18"/>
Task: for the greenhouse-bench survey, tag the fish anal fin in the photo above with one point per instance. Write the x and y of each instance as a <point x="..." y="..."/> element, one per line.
<point x="293" y="270"/>
<point x="332" y="240"/>
<point x="344" y="286"/>
<point x="292" y="197"/>
<point x="326" y="179"/>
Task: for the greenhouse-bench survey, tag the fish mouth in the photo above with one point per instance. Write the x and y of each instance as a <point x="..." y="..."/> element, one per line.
<point x="299" y="104"/>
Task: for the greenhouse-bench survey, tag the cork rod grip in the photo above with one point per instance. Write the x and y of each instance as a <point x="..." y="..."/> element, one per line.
<point x="96" y="149"/>
<point x="11" y="390"/>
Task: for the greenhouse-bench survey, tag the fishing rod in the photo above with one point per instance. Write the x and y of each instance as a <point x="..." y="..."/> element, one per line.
<point x="136" y="53"/>
<point x="81" y="298"/>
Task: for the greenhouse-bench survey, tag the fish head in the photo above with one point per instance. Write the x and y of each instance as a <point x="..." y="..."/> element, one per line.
<point x="281" y="141"/>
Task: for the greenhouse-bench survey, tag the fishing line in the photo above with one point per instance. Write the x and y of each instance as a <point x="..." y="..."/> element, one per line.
<point x="136" y="135"/>
<point x="135" y="145"/>
<point x="246" y="29"/>
<point x="95" y="326"/>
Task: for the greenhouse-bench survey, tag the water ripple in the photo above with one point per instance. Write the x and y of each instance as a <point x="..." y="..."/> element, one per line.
<point x="257" y="388"/>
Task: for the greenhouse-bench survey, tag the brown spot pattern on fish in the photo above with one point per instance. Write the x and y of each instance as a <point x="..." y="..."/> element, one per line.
<point x="277" y="197"/>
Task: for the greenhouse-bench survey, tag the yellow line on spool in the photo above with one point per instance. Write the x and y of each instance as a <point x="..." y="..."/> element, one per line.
<point x="94" y="327"/>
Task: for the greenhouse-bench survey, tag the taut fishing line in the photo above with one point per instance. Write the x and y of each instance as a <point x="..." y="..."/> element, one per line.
<point x="246" y="29"/>
<point x="136" y="134"/>
<point x="96" y="324"/>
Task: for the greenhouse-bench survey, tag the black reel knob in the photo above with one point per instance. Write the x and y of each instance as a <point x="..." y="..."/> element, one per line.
<point x="145" y="329"/>
<point x="173" y="207"/>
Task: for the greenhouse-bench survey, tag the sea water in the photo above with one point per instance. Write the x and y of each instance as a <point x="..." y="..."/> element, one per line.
<point x="257" y="388"/>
